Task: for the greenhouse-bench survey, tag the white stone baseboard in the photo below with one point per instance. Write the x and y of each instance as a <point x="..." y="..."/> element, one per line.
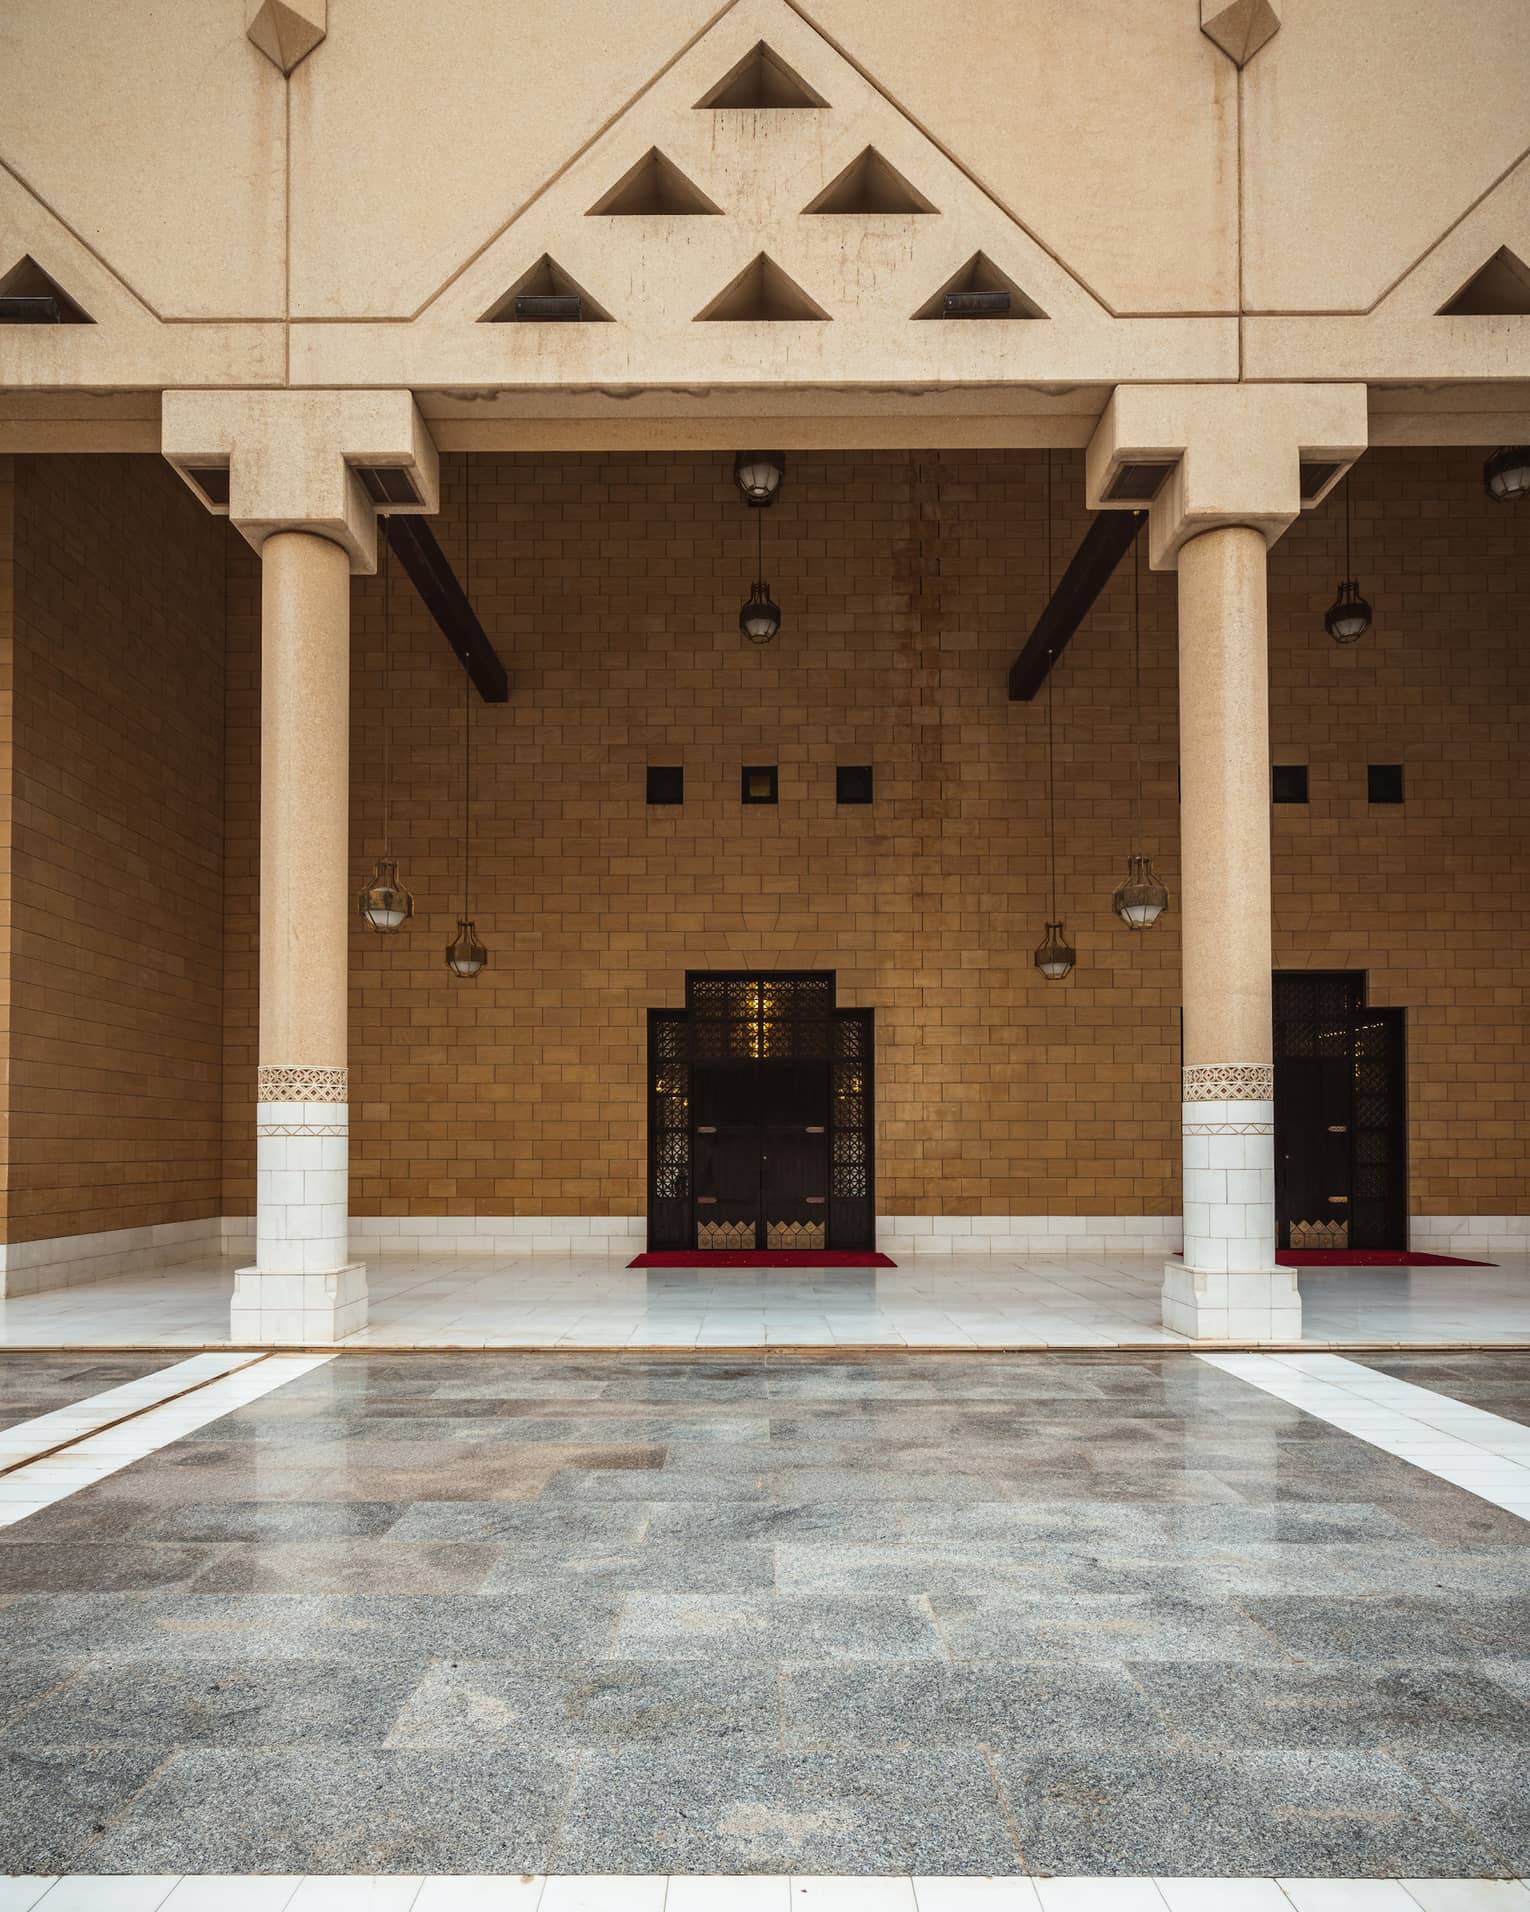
<point x="277" y="1310"/>
<point x="1487" y="1236"/>
<point x="64" y="1261"/>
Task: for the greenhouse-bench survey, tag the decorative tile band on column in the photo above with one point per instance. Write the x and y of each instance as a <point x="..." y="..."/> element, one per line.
<point x="284" y="1083"/>
<point x="303" y="1286"/>
<point x="1228" y="1284"/>
<point x="1229" y="1082"/>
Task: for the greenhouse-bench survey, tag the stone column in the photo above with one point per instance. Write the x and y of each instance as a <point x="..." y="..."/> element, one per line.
<point x="1228" y="1284"/>
<point x="1223" y="470"/>
<point x="303" y="1285"/>
<point x="302" y="470"/>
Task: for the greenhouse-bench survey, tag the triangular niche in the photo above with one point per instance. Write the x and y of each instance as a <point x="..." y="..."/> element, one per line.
<point x="655" y="185"/>
<point x="981" y="275"/>
<point x="869" y="185"/>
<point x="761" y="81"/>
<point x="1495" y="290"/>
<point x="762" y="291"/>
<point x="27" y="280"/>
<point x="545" y="280"/>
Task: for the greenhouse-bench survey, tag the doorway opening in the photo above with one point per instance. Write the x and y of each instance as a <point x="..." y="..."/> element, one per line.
<point x="760" y="1116"/>
<point x="1341" y="1115"/>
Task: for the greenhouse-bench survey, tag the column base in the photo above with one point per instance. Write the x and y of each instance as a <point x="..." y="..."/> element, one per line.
<point x="1208" y="1304"/>
<point x="292" y="1310"/>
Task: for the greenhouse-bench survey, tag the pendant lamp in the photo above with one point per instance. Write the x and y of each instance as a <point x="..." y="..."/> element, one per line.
<point x="1348" y="618"/>
<point x="1054" y="955"/>
<point x="1140" y="899"/>
<point x="384" y="902"/>
<point x="465" y="953"/>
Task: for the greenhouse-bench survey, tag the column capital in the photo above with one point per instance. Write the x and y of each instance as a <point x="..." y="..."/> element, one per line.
<point x="1215" y="455"/>
<point x="303" y="461"/>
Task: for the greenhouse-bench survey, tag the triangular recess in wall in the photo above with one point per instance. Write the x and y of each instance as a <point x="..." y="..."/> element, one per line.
<point x="762" y="291"/>
<point x="869" y="185"/>
<point x="655" y="185"/>
<point x="1497" y="289"/>
<point x="761" y="81"/>
<point x="980" y="274"/>
<point x="545" y="280"/>
<point x="27" y="280"/>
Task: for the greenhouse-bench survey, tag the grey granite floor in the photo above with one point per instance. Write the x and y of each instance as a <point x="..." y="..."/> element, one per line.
<point x="960" y="1614"/>
<point x="42" y="1382"/>
<point x="1498" y="1382"/>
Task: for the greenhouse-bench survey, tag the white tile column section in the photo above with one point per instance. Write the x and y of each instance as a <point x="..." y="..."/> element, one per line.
<point x="1228" y="1284"/>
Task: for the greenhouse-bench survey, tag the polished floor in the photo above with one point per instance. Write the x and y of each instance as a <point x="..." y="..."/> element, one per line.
<point x="925" y="1616"/>
<point x="993" y="1301"/>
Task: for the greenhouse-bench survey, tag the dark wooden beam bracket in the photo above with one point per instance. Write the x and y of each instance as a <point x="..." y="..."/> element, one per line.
<point x="1100" y="550"/>
<point x="430" y="572"/>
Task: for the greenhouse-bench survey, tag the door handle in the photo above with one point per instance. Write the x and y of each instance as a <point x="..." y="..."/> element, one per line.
<point x="815" y="1201"/>
<point x="1338" y="1128"/>
<point x="703" y="1201"/>
<point x="814" y="1128"/>
<point x="1338" y="1198"/>
<point x="706" y="1128"/>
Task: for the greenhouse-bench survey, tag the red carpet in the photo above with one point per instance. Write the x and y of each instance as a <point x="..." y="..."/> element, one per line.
<point x="1366" y="1258"/>
<point x="763" y="1258"/>
<point x="1371" y="1258"/>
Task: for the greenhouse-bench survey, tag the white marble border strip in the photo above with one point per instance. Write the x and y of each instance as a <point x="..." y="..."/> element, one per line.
<point x="40" y="1483"/>
<point x="761" y="1892"/>
<point x="26" y="1440"/>
<point x="1484" y="1453"/>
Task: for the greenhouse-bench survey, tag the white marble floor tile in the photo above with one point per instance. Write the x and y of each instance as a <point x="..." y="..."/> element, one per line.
<point x="466" y="1894"/>
<point x="976" y="1895"/>
<point x="19" y="1893"/>
<point x="1099" y="1895"/>
<point x="727" y="1893"/>
<point x="84" y="1892"/>
<point x="1223" y="1895"/>
<point x="356" y="1893"/>
<point x="611" y="1894"/>
<point x="211" y="1893"/>
<point x="821" y="1894"/>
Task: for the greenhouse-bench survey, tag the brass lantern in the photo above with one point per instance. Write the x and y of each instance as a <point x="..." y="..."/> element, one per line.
<point x="1054" y="956"/>
<point x="385" y="903"/>
<point x="760" y="618"/>
<point x="1140" y="898"/>
<point x="465" y="955"/>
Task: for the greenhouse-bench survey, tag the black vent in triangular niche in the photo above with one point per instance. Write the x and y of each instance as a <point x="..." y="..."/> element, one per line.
<point x="546" y="295"/>
<point x="980" y="291"/>
<point x="762" y="81"/>
<point x="762" y="291"/>
<point x="1494" y="291"/>
<point x="28" y="296"/>
<point x="869" y="185"/>
<point x="655" y="185"/>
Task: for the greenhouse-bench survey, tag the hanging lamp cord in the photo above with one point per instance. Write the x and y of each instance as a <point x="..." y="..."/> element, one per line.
<point x="387" y="674"/>
<point x="1349" y="562"/>
<point x="1051" y="691"/>
<point x="467" y="694"/>
<point x="1137" y="692"/>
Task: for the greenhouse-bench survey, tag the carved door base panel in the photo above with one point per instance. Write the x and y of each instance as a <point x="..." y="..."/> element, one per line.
<point x="803" y="1235"/>
<point x="734" y="1235"/>
<point x="1320" y="1234"/>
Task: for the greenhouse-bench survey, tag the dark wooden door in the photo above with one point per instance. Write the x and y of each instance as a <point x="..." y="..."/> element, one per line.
<point x="1341" y="1176"/>
<point x="761" y="1153"/>
<point x="1314" y="1170"/>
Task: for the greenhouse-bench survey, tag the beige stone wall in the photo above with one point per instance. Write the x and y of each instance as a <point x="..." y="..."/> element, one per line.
<point x="116" y="829"/>
<point x="611" y="587"/>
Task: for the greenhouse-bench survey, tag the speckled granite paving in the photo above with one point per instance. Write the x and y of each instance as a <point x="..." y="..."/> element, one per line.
<point x="501" y="1614"/>
<point x="39" y="1383"/>
<point x="1498" y="1382"/>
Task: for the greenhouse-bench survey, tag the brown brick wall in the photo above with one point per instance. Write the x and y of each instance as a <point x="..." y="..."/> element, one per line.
<point x="611" y="587"/>
<point x="116" y="815"/>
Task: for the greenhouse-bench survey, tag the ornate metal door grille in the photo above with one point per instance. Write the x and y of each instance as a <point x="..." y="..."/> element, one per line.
<point x="738" y="1017"/>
